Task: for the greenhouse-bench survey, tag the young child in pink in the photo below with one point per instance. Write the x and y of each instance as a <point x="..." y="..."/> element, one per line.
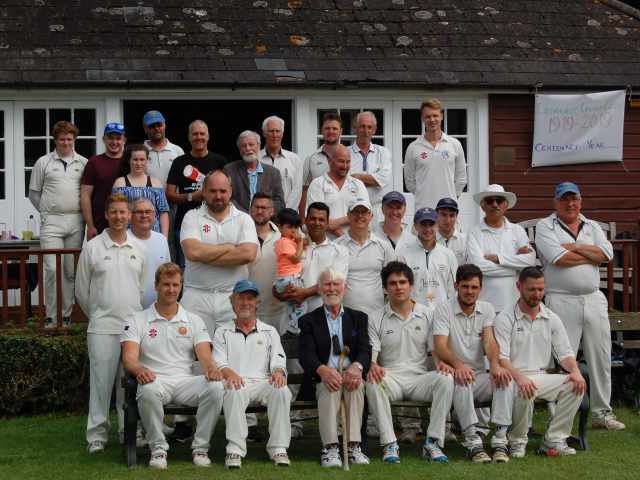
<point x="289" y="250"/>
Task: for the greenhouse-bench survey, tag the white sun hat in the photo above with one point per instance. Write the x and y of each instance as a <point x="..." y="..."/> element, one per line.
<point x="495" y="190"/>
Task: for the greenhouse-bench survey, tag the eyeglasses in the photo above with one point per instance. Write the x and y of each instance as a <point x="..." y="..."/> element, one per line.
<point x="492" y="200"/>
<point x="144" y="212"/>
<point x="335" y="345"/>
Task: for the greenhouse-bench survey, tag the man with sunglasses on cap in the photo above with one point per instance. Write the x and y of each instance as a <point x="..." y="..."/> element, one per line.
<point x="161" y="150"/>
<point x="500" y="248"/>
<point x="325" y="332"/>
<point x="571" y="248"/>
<point x="449" y="234"/>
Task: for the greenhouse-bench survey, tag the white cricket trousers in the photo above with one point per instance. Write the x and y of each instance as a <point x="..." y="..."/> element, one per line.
<point x="551" y="387"/>
<point x="105" y="369"/>
<point x="277" y="401"/>
<point x="483" y="390"/>
<point x="425" y="387"/>
<point x="329" y="411"/>
<point x="60" y="231"/>
<point x="190" y="390"/>
<point x="213" y="307"/>
<point x="585" y="317"/>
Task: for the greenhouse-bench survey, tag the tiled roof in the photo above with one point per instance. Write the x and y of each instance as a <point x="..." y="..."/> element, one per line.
<point x="413" y="43"/>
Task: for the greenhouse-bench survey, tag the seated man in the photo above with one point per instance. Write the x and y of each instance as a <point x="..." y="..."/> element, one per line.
<point x="159" y="346"/>
<point x="463" y="335"/>
<point x="400" y="338"/>
<point x="324" y="334"/>
<point x="253" y="364"/>
<point x="528" y="334"/>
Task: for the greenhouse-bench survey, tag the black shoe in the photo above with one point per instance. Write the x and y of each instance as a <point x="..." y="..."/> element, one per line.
<point x="183" y="432"/>
<point x="254" y="434"/>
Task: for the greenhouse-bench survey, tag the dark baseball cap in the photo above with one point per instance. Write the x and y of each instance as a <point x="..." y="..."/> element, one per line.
<point x="566" y="187"/>
<point x="114" y="127"/>
<point x="447" y="202"/>
<point x="425" y="214"/>
<point x="242" y="286"/>
<point x="394" y="197"/>
<point x="151" y="117"/>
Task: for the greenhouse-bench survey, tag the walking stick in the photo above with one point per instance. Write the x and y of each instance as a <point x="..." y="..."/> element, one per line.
<point x="344" y="414"/>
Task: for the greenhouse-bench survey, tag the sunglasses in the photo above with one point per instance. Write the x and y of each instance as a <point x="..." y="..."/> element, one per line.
<point x="492" y="200"/>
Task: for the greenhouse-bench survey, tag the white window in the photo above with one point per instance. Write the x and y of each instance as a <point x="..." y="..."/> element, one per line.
<point x="348" y="117"/>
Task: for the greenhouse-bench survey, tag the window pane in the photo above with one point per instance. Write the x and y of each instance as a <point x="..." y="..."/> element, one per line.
<point x="463" y="141"/>
<point x="1" y="124"/>
<point x="456" y="121"/>
<point x="1" y="155"/>
<point x="27" y="179"/>
<point x="57" y="114"/>
<point x="52" y="145"/>
<point x="411" y="123"/>
<point x="348" y="117"/>
<point x="378" y="140"/>
<point x="2" y="196"/>
<point x="86" y="147"/>
<point x="35" y="122"/>
<point x="85" y="120"/>
<point x="33" y="150"/>
<point x="346" y="141"/>
<point x="379" y="119"/>
<point x="321" y="114"/>
<point x="319" y="142"/>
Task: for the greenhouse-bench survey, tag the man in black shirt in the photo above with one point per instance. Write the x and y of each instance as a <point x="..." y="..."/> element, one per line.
<point x="184" y="183"/>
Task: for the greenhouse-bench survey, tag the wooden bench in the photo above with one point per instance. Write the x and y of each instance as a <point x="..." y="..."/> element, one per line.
<point x="625" y="327"/>
<point x="290" y="345"/>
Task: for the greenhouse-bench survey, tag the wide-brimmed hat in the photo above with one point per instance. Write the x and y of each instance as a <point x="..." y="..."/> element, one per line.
<point x="495" y="190"/>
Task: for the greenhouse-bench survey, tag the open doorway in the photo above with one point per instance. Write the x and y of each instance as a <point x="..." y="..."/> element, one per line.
<point x="226" y="119"/>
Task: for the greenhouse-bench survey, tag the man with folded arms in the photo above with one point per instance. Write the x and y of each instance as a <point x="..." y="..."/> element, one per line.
<point x="159" y="346"/>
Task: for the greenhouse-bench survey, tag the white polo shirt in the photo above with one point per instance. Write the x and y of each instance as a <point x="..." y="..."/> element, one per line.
<point x="58" y="182"/>
<point x="551" y="233"/>
<point x="236" y="228"/>
<point x="255" y="356"/>
<point x="290" y="167"/>
<point x="160" y="161"/>
<point x="156" y="250"/>
<point x="465" y="332"/>
<point x="364" y="285"/>
<point x="432" y="173"/>
<point x="315" y="165"/>
<point x="324" y="189"/>
<point x="405" y="238"/>
<point x="378" y="166"/>
<point x="499" y="282"/>
<point x="167" y="347"/>
<point x="529" y="345"/>
<point x="109" y="282"/>
<point x="401" y="344"/>
<point x="316" y="258"/>
<point x="434" y="272"/>
<point x="263" y="273"/>
<point x="457" y="243"/>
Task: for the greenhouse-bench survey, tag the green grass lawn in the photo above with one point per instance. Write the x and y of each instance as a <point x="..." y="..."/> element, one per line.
<point x="53" y="447"/>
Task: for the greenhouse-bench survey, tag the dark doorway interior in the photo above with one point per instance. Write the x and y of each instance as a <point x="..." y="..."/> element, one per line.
<point x="226" y="119"/>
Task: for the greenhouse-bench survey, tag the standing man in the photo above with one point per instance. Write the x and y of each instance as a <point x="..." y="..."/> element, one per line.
<point x="159" y="346"/>
<point x="153" y="244"/>
<point x="161" y="151"/>
<point x="500" y="248"/>
<point x="219" y="241"/>
<point x="184" y="185"/>
<point x="371" y="163"/>
<point x="434" y="164"/>
<point x="367" y="255"/>
<point x="249" y="175"/>
<point x="54" y="190"/>
<point x="253" y="365"/>
<point x="262" y="271"/>
<point x="571" y="248"/>
<point x="401" y="337"/>
<point x="325" y="332"/>
<point x="528" y="335"/>
<point x="317" y="164"/>
<point x="393" y="230"/>
<point x="98" y="177"/>
<point x="286" y="162"/>
<point x="463" y="336"/>
<point x="434" y="266"/>
<point x="449" y="234"/>
<point x="337" y="189"/>
<point x="109" y="284"/>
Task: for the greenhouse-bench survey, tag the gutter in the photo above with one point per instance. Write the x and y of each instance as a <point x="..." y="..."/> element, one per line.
<point x="623" y="7"/>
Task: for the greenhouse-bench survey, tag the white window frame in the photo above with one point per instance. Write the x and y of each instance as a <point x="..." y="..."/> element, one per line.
<point x="7" y="214"/>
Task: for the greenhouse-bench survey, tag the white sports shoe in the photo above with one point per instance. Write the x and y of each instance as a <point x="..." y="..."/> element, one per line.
<point x="201" y="458"/>
<point x="330" y="457"/>
<point x="158" y="459"/>
<point x="355" y="455"/>
<point x="95" y="447"/>
<point x="608" y="422"/>
<point x="233" y="460"/>
<point x="517" y="449"/>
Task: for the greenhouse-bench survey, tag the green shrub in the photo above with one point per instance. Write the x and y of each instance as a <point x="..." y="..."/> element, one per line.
<point x="41" y="373"/>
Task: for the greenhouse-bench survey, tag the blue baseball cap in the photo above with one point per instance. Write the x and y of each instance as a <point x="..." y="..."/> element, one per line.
<point x="425" y="214"/>
<point x="566" y="187"/>
<point x="447" y="202"/>
<point x="151" y="117"/>
<point x="242" y="286"/>
<point x="114" y="127"/>
<point x="394" y="197"/>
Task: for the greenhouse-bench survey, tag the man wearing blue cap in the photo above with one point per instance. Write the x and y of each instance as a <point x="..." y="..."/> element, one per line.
<point x="449" y="234"/>
<point x="572" y="248"/>
<point x="253" y="364"/>
<point x="433" y="265"/>
<point x="393" y="230"/>
<point x="161" y="150"/>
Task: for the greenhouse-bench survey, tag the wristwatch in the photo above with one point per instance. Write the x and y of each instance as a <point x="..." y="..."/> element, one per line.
<point x="358" y="365"/>
<point x="189" y="197"/>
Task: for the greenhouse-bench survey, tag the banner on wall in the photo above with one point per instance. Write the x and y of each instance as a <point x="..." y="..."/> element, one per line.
<point x="571" y="129"/>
